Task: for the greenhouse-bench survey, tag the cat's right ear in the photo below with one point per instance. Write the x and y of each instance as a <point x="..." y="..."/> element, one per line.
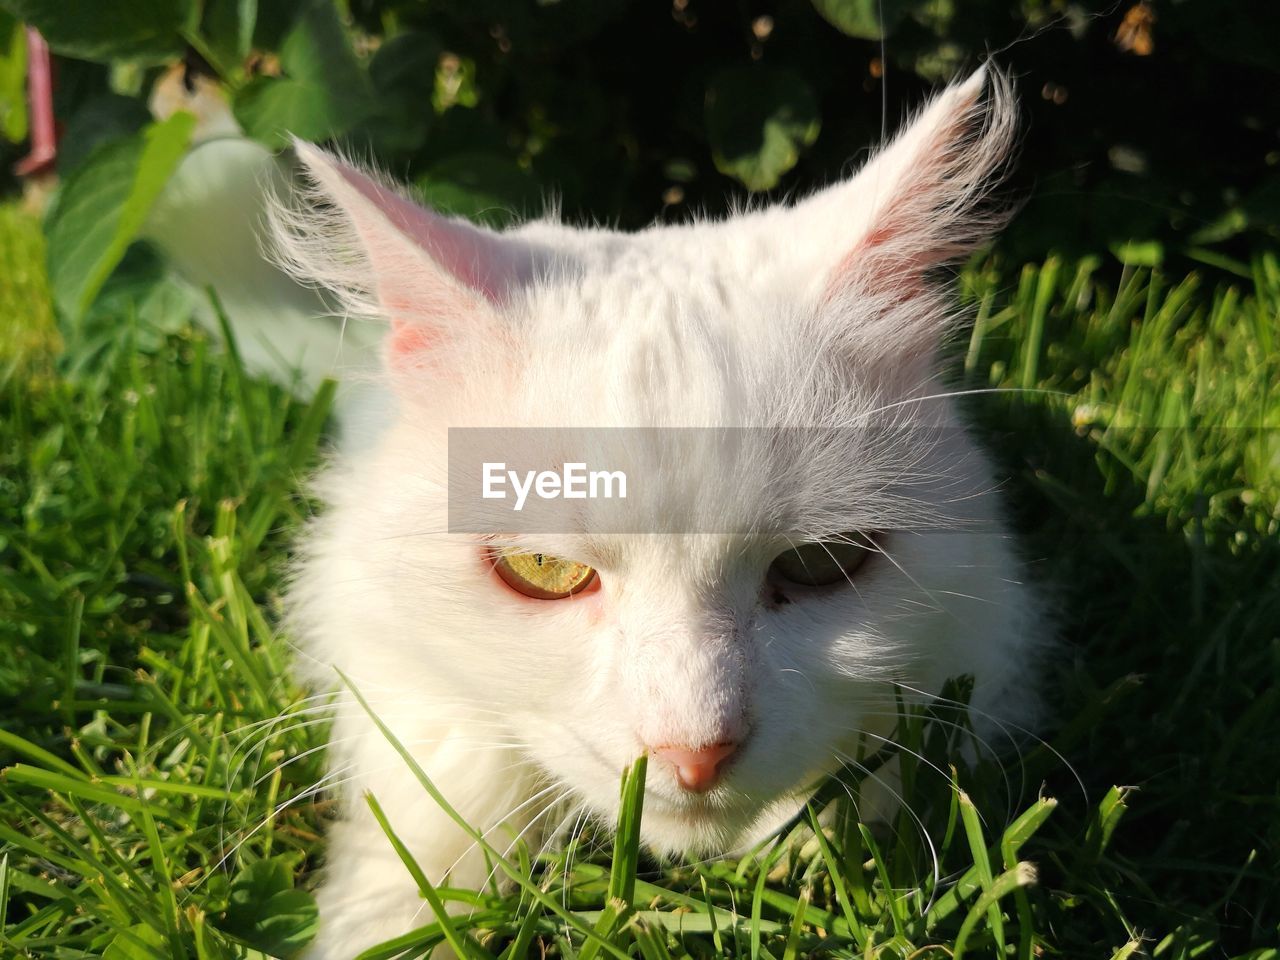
<point x="872" y="248"/>
<point x="436" y="280"/>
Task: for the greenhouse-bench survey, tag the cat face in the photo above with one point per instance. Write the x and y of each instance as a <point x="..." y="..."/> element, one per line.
<point x="752" y="641"/>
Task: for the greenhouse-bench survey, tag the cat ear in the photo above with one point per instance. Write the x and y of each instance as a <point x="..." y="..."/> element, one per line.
<point x="919" y="204"/>
<point x="434" y="279"/>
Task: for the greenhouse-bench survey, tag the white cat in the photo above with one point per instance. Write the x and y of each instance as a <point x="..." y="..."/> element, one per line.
<point x="744" y="684"/>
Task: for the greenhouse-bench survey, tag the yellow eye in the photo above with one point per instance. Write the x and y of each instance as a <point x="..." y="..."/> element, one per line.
<point x="825" y="562"/>
<point x="542" y="576"/>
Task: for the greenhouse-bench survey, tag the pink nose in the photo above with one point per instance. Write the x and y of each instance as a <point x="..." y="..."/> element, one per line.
<point x="697" y="770"/>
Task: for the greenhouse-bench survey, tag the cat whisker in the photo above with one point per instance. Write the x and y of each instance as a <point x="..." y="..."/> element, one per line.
<point x="915" y="817"/>
<point x="956" y="394"/>
<point x="800" y="673"/>
<point x="499" y="823"/>
<point x="919" y="756"/>
<point x="472" y="744"/>
<point x="551" y="805"/>
<point x="1005" y="724"/>
<point x="580" y="815"/>
<point x="331" y="781"/>
<point x="222" y="861"/>
<point x="1010" y="799"/>
<point x="879" y="548"/>
<point x="414" y="534"/>
<point x="317" y="716"/>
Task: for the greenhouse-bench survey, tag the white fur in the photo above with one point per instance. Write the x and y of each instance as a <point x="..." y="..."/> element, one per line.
<point x="825" y="313"/>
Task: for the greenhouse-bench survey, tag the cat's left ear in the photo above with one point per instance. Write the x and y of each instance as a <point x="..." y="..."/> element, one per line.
<point x="438" y="281"/>
<point x="872" y="242"/>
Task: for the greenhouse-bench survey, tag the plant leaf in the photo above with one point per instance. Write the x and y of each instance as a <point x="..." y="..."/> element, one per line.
<point x="865" y="19"/>
<point x="92" y="30"/>
<point x="13" y="79"/>
<point x="322" y="93"/>
<point x="758" y="120"/>
<point x="401" y="116"/>
<point x="104" y="205"/>
<point x="485" y="187"/>
<point x="228" y="26"/>
<point x="100" y="120"/>
<point x="139" y="942"/>
<point x="266" y="912"/>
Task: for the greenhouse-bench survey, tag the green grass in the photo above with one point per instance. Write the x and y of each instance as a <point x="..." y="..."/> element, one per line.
<point x="27" y="335"/>
<point x="147" y="509"/>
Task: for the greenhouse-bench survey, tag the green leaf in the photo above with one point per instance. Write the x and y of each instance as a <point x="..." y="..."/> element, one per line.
<point x="865" y="19"/>
<point x="139" y="305"/>
<point x="1139" y="253"/>
<point x="266" y="912"/>
<point x="13" y="79"/>
<point x="401" y="72"/>
<point x="97" y="121"/>
<point x="139" y="942"/>
<point x="275" y="20"/>
<point x="93" y="30"/>
<point x="758" y="120"/>
<point x="461" y="944"/>
<point x="484" y="187"/>
<point x="4" y="885"/>
<point x="228" y="28"/>
<point x="978" y="849"/>
<point x="1015" y="836"/>
<point x="322" y="92"/>
<point x="626" y="847"/>
<point x="1103" y="821"/>
<point x="104" y="205"/>
<point x="987" y="905"/>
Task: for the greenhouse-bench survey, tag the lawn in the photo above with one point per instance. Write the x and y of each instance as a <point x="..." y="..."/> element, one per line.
<point x="155" y="801"/>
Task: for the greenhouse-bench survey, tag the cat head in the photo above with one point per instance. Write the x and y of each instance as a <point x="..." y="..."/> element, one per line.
<point x="748" y="655"/>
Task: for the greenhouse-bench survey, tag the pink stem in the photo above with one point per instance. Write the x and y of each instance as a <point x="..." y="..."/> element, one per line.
<point x="44" y="135"/>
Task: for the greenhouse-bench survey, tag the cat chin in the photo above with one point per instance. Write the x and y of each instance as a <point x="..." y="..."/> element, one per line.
<point x="694" y="832"/>
<point x="724" y="831"/>
<point x="677" y="822"/>
<point x="759" y="794"/>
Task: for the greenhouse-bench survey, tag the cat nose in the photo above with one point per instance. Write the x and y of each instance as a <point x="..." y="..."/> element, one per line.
<point x="697" y="770"/>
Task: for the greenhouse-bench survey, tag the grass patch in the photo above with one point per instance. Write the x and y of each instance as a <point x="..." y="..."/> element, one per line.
<point x="28" y="336"/>
<point x="154" y="754"/>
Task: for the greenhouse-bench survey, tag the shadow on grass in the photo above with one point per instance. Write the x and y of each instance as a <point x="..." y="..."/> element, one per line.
<point x="1166" y="681"/>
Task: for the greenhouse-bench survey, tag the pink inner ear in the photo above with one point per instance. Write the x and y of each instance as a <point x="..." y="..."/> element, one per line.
<point x="411" y="339"/>
<point x="938" y="168"/>
<point x="455" y="248"/>
<point x="875" y="266"/>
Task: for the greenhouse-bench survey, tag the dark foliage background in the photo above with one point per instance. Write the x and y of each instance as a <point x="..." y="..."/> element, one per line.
<point x="1151" y="129"/>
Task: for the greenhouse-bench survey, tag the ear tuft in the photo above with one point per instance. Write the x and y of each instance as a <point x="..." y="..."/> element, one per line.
<point x="867" y="250"/>
<point x="386" y="257"/>
<point x="930" y="188"/>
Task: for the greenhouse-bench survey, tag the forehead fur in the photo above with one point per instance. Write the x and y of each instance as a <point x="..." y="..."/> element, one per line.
<point x="642" y="345"/>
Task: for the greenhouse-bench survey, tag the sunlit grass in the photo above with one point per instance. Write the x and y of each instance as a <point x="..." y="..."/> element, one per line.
<point x="27" y="332"/>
